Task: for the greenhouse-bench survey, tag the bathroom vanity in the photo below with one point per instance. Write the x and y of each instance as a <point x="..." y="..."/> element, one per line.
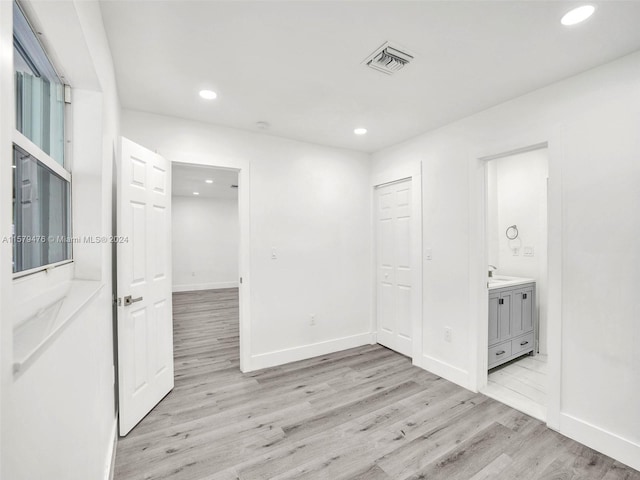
<point x="512" y="313"/>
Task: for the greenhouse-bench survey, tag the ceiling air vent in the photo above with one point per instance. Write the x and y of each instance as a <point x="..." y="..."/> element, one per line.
<point x="388" y="59"/>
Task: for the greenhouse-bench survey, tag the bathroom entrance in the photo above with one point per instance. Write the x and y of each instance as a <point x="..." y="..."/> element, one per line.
<point x="517" y="272"/>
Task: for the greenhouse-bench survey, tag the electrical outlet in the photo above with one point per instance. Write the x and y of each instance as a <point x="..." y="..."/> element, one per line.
<point x="528" y="252"/>
<point x="448" y="334"/>
<point x="312" y="322"/>
<point x="274" y="254"/>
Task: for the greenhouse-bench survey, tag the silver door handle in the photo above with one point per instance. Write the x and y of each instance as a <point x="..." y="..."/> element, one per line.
<point x="128" y="300"/>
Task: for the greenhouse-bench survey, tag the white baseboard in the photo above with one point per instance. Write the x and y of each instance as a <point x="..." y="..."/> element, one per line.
<point x="204" y="286"/>
<point x="279" y="357"/>
<point x="110" y="469"/>
<point x="616" y="447"/>
<point x="446" y="371"/>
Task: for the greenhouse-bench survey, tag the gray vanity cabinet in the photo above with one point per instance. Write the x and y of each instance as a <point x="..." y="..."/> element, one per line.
<point x="511" y="323"/>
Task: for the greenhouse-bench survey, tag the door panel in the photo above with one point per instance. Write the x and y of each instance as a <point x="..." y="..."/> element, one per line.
<point x="494" y="329"/>
<point x="145" y="327"/>
<point x="516" y="314"/>
<point x="504" y="316"/>
<point x="527" y="310"/>
<point x="394" y="269"/>
<point x="403" y="293"/>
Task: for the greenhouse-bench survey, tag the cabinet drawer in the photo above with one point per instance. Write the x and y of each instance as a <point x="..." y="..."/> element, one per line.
<point x="498" y="353"/>
<point x="522" y="344"/>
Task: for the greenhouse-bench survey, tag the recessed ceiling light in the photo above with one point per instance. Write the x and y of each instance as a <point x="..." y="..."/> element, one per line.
<point x="208" y="94"/>
<point x="360" y="131"/>
<point x="208" y="181"/>
<point x="196" y="193"/>
<point x="577" y="15"/>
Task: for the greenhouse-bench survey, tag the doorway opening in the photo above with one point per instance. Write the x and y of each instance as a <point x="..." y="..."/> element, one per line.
<point x="517" y="280"/>
<point x="205" y="235"/>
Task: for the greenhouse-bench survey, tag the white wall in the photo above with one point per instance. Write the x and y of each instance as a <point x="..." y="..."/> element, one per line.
<point x="311" y="203"/>
<point x="517" y="195"/>
<point x="591" y="123"/>
<point x="58" y="414"/>
<point x="204" y="243"/>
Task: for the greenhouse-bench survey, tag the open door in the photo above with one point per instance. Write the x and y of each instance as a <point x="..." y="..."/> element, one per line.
<point x="145" y="331"/>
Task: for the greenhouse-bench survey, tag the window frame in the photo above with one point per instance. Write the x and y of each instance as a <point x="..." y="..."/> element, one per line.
<point x="62" y="170"/>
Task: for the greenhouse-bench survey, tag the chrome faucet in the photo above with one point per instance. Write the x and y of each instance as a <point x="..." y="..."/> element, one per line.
<point x="491" y="270"/>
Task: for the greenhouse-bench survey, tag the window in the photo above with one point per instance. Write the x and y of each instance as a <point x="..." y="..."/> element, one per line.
<point x="41" y="184"/>
<point x="40" y="214"/>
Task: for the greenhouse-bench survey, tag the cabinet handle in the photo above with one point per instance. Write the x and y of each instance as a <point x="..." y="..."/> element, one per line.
<point x="522" y="344"/>
<point x="500" y="301"/>
<point x="524" y="296"/>
<point x="500" y="352"/>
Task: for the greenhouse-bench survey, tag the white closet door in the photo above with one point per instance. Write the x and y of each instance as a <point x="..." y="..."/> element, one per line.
<point x="393" y="262"/>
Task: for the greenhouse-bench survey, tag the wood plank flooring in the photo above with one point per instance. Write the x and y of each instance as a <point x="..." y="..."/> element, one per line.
<point x="364" y="413"/>
<point x="521" y="384"/>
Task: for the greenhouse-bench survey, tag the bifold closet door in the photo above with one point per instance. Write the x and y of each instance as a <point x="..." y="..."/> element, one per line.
<point x="393" y="265"/>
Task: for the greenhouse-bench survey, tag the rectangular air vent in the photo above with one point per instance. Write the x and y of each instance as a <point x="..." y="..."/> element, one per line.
<point x="388" y="59"/>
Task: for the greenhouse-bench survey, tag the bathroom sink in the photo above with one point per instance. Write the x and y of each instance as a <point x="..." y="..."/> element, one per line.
<point x="498" y="281"/>
<point x="501" y="278"/>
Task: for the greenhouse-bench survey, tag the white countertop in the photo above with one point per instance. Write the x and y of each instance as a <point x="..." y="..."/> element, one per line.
<point x="500" y="281"/>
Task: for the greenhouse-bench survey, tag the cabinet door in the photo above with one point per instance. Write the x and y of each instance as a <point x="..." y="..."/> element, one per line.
<point x="517" y="317"/>
<point x="494" y="329"/>
<point x="504" y="316"/>
<point x="528" y="308"/>
<point x="522" y="311"/>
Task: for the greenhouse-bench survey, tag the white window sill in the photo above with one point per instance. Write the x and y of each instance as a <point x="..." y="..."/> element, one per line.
<point x="39" y="320"/>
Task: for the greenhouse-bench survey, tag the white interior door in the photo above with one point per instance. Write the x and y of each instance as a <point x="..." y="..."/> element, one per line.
<point x="145" y="326"/>
<point x="393" y="262"/>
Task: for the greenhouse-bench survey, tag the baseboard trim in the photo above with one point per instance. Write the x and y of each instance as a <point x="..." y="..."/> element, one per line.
<point x="446" y="371"/>
<point x="204" y="286"/>
<point x="111" y="455"/>
<point x="599" y="439"/>
<point x="280" y="357"/>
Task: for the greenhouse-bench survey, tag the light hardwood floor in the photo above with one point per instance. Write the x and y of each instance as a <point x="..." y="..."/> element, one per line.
<point x="361" y="414"/>
<point x="521" y="384"/>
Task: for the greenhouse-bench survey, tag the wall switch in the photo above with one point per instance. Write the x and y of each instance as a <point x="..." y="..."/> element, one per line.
<point x="527" y="252"/>
<point x="274" y="254"/>
<point x="312" y="322"/>
<point x="448" y="334"/>
<point x="428" y="254"/>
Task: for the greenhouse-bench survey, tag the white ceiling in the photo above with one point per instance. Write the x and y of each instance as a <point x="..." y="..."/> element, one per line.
<point x="297" y="64"/>
<point x="186" y="179"/>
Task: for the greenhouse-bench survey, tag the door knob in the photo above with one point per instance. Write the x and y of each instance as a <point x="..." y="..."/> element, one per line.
<point x="128" y="300"/>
